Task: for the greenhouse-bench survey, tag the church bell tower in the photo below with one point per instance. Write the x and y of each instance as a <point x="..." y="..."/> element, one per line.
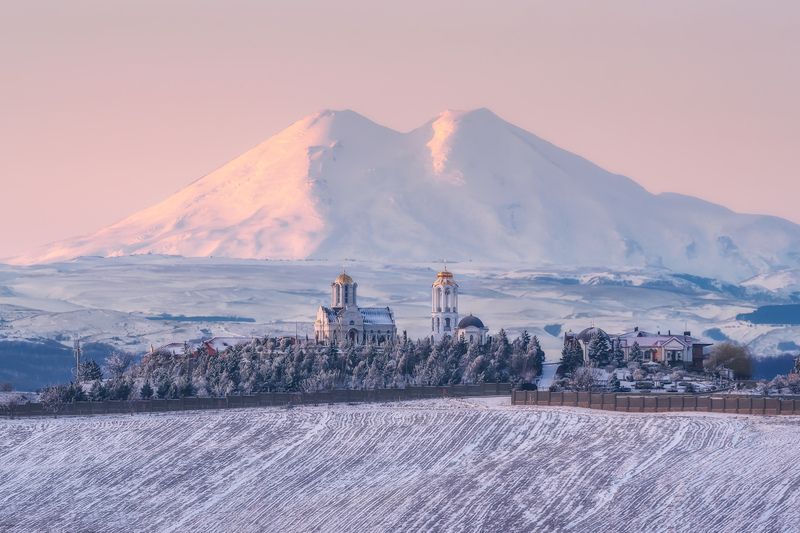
<point x="343" y="292"/>
<point x="444" y="306"/>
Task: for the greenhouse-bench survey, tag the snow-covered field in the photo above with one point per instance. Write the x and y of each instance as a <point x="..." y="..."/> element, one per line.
<point x="444" y="465"/>
<point x="118" y="300"/>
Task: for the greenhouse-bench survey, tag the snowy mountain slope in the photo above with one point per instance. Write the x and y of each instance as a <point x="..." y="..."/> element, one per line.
<point x="443" y="465"/>
<point x="466" y="186"/>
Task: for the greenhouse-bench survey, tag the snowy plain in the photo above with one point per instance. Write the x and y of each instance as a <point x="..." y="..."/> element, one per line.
<point x="435" y="465"/>
<point x="136" y="302"/>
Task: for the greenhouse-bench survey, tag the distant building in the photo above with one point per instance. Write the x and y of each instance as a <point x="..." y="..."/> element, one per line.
<point x="213" y="346"/>
<point x="471" y="329"/>
<point x="670" y="349"/>
<point x="444" y="313"/>
<point x="345" y="322"/>
<point x="584" y="338"/>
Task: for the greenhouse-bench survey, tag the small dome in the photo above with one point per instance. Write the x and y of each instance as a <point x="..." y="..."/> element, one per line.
<point x="589" y="333"/>
<point x="344" y="279"/>
<point x="470" y="320"/>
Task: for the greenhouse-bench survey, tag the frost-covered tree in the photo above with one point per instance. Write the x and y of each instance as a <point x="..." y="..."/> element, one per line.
<point x="599" y="350"/>
<point x="536" y="353"/>
<point x="613" y="381"/>
<point x="635" y="353"/>
<point x="118" y="363"/>
<point x="146" y="392"/>
<point x="54" y="397"/>
<point x="583" y="378"/>
<point x="617" y="354"/>
<point x="571" y="356"/>
<point x="89" y="371"/>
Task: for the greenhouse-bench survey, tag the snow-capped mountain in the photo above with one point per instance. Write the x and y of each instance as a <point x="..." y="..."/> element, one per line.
<point x="464" y="186"/>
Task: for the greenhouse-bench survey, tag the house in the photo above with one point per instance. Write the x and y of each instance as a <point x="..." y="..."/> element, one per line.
<point x="670" y="349"/>
<point x="645" y="347"/>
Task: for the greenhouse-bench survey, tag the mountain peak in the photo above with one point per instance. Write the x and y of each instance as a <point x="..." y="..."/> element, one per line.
<point x="467" y="185"/>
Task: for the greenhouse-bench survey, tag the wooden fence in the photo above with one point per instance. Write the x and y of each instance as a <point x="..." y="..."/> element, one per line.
<point x="256" y="400"/>
<point x="661" y="403"/>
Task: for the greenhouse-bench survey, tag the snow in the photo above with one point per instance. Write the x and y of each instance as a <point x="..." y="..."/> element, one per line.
<point x="548" y="376"/>
<point x="466" y="186"/>
<point x="119" y="301"/>
<point x="443" y="465"/>
<point x="784" y="279"/>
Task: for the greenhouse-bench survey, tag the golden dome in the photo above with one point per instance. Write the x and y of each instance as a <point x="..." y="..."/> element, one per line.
<point x="344" y="279"/>
<point x="445" y="277"/>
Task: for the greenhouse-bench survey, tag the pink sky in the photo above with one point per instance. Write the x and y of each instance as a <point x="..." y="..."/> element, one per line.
<point x="108" y="107"/>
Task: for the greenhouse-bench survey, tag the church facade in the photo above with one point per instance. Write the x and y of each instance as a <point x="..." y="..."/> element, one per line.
<point x="345" y="322"/>
<point x="444" y="313"/>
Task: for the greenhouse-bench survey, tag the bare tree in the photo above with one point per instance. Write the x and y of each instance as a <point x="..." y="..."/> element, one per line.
<point x="118" y="363"/>
<point x="583" y="378"/>
<point x="733" y="356"/>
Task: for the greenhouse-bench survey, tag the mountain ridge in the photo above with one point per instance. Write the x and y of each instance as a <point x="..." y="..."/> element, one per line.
<point x="466" y="185"/>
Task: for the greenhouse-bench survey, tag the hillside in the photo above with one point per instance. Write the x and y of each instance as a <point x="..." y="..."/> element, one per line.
<point x="443" y="465"/>
<point x="464" y="186"/>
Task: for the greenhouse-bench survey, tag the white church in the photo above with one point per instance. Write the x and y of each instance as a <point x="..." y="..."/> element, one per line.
<point x="345" y="322"/>
<point x="444" y="313"/>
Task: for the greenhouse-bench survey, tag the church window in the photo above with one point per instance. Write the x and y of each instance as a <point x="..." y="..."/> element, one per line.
<point x="346" y="293"/>
<point x="447" y="324"/>
<point x="352" y="323"/>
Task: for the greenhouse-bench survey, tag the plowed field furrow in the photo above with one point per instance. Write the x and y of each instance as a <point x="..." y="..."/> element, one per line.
<point x="437" y="465"/>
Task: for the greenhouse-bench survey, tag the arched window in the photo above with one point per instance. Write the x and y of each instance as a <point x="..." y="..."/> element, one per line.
<point x="346" y="294"/>
<point x="437" y="325"/>
<point x="447" y="300"/>
<point x="470" y="338"/>
<point x="432" y="326"/>
<point x="338" y="292"/>
<point x="447" y="324"/>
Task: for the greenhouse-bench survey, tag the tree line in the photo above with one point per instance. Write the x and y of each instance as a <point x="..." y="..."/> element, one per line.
<point x="283" y="365"/>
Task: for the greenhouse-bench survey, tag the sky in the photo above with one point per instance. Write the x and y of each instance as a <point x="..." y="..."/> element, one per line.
<point x="107" y="107"/>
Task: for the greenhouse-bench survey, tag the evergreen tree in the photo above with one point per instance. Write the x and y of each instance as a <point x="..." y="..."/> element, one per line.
<point x="89" y="371"/>
<point x="571" y="356"/>
<point x="525" y="339"/>
<point x="119" y="389"/>
<point x="163" y="389"/>
<point x="98" y="392"/>
<point x="635" y="353"/>
<point x="600" y="349"/>
<point x="501" y="360"/>
<point x="613" y="381"/>
<point x="536" y="354"/>
<point x="146" y="391"/>
<point x="617" y="355"/>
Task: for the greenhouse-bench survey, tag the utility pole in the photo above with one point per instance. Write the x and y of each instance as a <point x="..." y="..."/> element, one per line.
<point x="76" y="350"/>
